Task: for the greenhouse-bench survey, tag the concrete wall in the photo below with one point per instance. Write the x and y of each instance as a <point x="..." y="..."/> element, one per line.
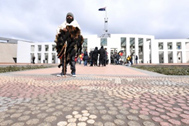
<point x="23" y="52"/>
<point x="8" y="51"/>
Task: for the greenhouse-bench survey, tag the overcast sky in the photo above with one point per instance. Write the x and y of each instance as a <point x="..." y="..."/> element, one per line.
<point x="37" y="20"/>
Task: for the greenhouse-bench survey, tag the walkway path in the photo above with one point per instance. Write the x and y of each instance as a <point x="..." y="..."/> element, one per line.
<point x="99" y="96"/>
<point x="87" y="70"/>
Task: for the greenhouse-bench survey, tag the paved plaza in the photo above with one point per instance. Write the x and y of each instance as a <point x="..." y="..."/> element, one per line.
<point x="114" y="95"/>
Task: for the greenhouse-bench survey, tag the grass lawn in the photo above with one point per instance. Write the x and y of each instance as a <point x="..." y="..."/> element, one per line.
<point x="166" y="69"/>
<point x="12" y="68"/>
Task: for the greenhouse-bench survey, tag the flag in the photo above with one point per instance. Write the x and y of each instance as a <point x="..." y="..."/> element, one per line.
<point x="102" y="9"/>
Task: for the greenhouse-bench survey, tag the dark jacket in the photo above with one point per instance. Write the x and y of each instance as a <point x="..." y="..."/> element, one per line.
<point x="95" y="54"/>
<point x="85" y="56"/>
<point x="91" y="55"/>
<point x="102" y="53"/>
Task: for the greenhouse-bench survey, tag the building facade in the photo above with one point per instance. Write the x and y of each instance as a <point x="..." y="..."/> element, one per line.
<point x="8" y="50"/>
<point x="146" y="47"/>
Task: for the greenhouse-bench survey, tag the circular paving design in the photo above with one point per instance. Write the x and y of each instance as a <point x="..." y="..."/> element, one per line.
<point x="46" y="100"/>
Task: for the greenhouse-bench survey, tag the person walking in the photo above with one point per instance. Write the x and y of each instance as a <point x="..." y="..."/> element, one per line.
<point x="85" y="58"/>
<point x="117" y="58"/>
<point x="91" y="57"/>
<point x="68" y="43"/>
<point x="131" y="59"/>
<point x="136" y="59"/>
<point x="128" y="60"/>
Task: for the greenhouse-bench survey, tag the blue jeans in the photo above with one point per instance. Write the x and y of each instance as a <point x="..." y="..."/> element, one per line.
<point x="85" y="63"/>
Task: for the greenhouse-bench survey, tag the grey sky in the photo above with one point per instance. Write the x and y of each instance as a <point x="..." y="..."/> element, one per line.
<point x="37" y="20"/>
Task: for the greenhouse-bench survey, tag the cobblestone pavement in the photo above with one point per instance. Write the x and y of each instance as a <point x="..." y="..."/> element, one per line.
<point x="93" y="100"/>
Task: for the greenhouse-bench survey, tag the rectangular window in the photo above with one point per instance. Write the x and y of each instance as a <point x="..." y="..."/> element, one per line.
<point x="178" y="45"/>
<point x="140" y="45"/>
<point x="123" y="48"/>
<point x="53" y="57"/>
<point x="160" y="45"/>
<point x="46" y="47"/>
<point x="39" y="48"/>
<point x="123" y="42"/>
<point x="39" y="57"/>
<point x="46" y="57"/>
<point x="53" y="47"/>
<point x="32" y="48"/>
<point x="169" y="45"/>
<point x="85" y="44"/>
<point x="132" y="42"/>
<point x="103" y="42"/>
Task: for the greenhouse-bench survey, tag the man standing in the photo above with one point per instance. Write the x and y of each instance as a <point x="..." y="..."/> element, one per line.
<point x="91" y="57"/>
<point x="95" y="56"/>
<point x="105" y="58"/>
<point x="102" y="56"/>
<point x="68" y="43"/>
<point x="85" y="57"/>
<point x="136" y="59"/>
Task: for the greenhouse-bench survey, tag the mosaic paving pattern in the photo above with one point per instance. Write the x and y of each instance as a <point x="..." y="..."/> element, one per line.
<point x="46" y="100"/>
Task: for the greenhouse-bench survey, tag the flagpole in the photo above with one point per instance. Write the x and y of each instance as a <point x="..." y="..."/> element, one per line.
<point x="106" y="12"/>
<point x="105" y="34"/>
<point x="105" y="21"/>
<point x="106" y="24"/>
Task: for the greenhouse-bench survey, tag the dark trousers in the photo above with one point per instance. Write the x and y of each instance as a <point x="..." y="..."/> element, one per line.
<point x="91" y="63"/>
<point x="72" y="65"/>
<point x="104" y="62"/>
<point x="101" y="62"/>
<point x="95" y="62"/>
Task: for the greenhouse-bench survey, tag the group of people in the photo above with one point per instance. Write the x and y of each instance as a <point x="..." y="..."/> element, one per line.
<point x="94" y="58"/>
<point x="130" y="60"/>
<point x="103" y="57"/>
<point x="116" y="59"/>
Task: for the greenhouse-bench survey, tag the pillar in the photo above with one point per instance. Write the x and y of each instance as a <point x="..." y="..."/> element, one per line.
<point x="136" y="48"/>
<point x="127" y="46"/>
<point x="42" y="53"/>
<point x="183" y="48"/>
<point x="165" y="52"/>
<point x="50" y="53"/>
<point x="145" y="51"/>
<point x="174" y="52"/>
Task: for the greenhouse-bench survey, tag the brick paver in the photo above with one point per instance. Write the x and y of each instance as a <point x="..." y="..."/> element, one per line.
<point x="99" y="96"/>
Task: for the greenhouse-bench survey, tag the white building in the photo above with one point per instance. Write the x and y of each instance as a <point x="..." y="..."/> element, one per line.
<point x="148" y="49"/>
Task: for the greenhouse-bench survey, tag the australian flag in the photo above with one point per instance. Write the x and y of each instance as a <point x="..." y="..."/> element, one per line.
<point x="102" y="9"/>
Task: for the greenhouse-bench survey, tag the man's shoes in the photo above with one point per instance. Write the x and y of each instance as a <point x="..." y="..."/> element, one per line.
<point x="59" y="75"/>
<point x="73" y="75"/>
